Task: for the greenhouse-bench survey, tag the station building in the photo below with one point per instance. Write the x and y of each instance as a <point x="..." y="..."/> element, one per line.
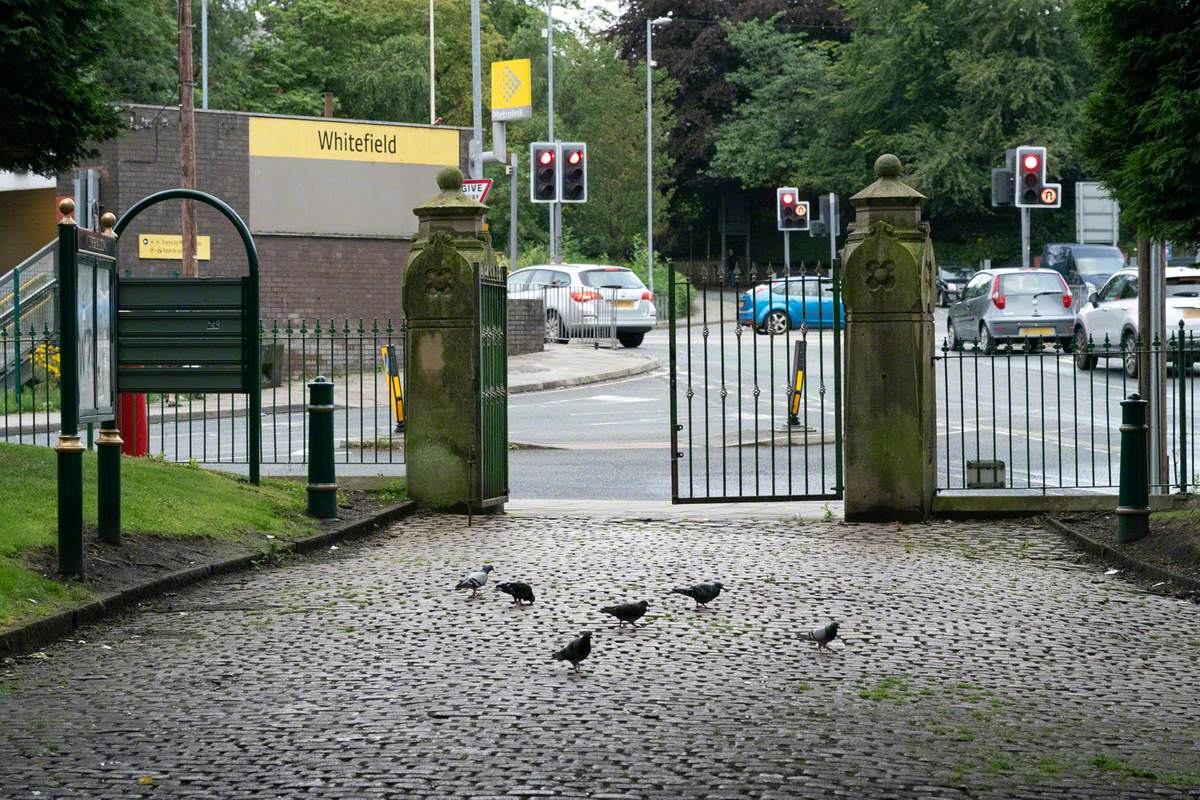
<point x="329" y="202"/>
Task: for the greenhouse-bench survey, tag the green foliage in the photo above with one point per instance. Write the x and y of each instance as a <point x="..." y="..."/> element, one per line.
<point x="1143" y="119"/>
<point x="52" y="101"/>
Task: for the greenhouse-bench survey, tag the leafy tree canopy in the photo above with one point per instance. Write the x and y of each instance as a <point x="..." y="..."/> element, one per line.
<point x="1142" y="121"/>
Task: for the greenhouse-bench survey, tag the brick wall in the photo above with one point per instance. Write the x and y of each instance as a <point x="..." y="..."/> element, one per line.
<point x="300" y="276"/>
<point x="526" y="326"/>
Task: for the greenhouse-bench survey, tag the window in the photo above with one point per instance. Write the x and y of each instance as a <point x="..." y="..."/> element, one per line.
<point x="557" y="278"/>
<point x="1184" y="286"/>
<point x="1130" y="290"/>
<point x="519" y="280"/>
<point x="1031" y="283"/>
<point x="611" y="279"/>
<point x="1112" y="289"/>
<point x="977" y="286"/>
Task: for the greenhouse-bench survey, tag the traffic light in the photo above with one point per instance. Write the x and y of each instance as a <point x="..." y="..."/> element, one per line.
<point x="791" y="213"/>
<point x="543" y="172"/>
<point x="574" y="172"/>
<point x="1002" y="187"/>
<point x="1032" y="190"/>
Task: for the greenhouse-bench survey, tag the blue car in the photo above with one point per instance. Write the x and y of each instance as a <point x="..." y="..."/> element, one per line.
<point x="787" y="304"/>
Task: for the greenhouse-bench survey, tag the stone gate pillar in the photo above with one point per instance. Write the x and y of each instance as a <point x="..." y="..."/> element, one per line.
<point x="442" y="351"/>
<point x="890" y="432"/>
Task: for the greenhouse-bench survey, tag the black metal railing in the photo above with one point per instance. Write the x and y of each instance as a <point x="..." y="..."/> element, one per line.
<point x="1033" y="416"/>
<point x="210" y="428"/>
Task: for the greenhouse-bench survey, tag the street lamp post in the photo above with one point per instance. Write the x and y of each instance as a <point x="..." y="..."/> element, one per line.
<point x="651" y="24"/>
<point x="432" y="110"/>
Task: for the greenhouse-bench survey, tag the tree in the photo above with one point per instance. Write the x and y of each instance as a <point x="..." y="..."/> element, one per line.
<point x="1142" y="121"/>
<point x="51" y="102"/>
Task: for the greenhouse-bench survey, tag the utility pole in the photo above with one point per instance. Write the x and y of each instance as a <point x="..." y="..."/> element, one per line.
<point x="187" y="137"/>
<point x="1025" y="260"/>
<point x="204" y="54"/>
<point x="476" y="147"/>
<point x="651" y="24"/>
<point x="555" y="207"/>
<point x="432" y="111"/>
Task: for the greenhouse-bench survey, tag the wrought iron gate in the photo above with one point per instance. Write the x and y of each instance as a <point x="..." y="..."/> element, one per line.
<point x="755" y="382"/>
<point x="492" y="380"/>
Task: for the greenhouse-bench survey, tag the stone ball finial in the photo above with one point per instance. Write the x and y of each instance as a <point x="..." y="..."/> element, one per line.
<point x="107" y="221"/>
<point x="887" y="166"/>
<point x="66" y="206"/>
<point x="450" y="179"/>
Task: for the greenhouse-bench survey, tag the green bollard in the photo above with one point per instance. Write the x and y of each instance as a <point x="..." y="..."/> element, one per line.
<point x="1133" y="511"/>
<point x="108" y="483"/>
<point x="322" y="483"/>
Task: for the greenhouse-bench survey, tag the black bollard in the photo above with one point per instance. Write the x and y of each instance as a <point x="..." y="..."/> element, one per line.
<point x="1133" y="511"/>
<point x="322" y="483"/>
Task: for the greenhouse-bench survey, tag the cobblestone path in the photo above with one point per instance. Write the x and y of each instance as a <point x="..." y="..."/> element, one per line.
<point x="979" y="661"/>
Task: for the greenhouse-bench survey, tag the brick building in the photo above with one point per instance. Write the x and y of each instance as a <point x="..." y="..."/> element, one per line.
<point x="329" y="202"/>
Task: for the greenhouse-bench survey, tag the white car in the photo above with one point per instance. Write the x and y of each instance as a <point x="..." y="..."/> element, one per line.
<point x="588" y="301"/>
<point x="1111" y="315"/>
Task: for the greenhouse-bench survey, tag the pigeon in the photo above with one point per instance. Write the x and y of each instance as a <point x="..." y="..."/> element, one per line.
<point x="627" y="612"/>
<point x="577" y="650"/>
<point x="702" y="593"/>
<point x="520" y="592"/>
<point x="822" y="636"/>
<point x="475" y="580"/>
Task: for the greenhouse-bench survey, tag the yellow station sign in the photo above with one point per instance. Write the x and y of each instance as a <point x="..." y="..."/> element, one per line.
<point x="170" y="246"/>
<point x="512" y="93"/>
<point x="352" y="141"/>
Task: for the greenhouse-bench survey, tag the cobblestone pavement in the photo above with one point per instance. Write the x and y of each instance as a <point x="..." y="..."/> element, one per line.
<point x="979" y="661"/>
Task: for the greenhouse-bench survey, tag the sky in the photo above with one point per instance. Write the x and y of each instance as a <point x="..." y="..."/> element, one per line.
<point x="587" y="12"/>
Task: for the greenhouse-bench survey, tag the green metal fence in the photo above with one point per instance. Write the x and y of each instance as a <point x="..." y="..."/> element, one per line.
<point x="211" y="428"/>
<point x="1032" y="416"/>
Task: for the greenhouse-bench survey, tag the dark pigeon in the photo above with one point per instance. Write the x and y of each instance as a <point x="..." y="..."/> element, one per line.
<point x="475" y="580"/>
<point x="627" y="612"/>
<point x="518" y="591"/>
<point x="577" y="650"/>
<point x="702" y="593"/>
<point x="822" y="636"/>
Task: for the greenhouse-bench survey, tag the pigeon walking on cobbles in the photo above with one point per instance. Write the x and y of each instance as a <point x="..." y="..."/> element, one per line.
<point x="702" y="593"/>
<point x="822" y="636"/>
<point x="577" y="650"/>
<point x="518" y="591"/>
<point x="627" y="612"/>
<point x="475" y="580"/>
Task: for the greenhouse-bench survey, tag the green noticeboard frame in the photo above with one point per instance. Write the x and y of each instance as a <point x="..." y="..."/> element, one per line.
<point x="95" y="325"/>
<point x="193" y="334"/>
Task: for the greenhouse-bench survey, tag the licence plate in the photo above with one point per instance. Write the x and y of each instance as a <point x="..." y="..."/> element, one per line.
<point x="1191" y="313"/>
<point x="1035" y="331"/>
<point x="624" y="303"/>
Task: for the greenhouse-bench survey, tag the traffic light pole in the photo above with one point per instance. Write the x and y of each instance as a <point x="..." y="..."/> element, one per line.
<point x="1025" y="238"/>
<point x="787" y="253"/>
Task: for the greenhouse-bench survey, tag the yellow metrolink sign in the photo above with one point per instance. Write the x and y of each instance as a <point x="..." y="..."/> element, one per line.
<point x="352" y="141"/>
<point x="170" y="246"/>
<point x="512" y="94"/>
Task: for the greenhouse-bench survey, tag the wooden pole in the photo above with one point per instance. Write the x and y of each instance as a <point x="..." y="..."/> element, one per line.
<point x="187" y="137"/>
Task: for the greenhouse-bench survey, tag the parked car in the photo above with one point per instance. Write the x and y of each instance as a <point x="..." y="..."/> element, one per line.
<point x="1010" y="305"/>
<point x="1083" y="264"/>
<point x="950" y="282"/>
<point x="785" y="304"/>
<point x="1111" y="317"/>
<point x="588" y="300"/>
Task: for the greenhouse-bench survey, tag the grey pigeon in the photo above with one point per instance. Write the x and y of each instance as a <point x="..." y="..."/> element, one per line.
<point x="577" y="650"/>
<point x="518" y="591"/>
<point x="702" y="593"/>
<point x="627" y="612"/>
<point x="475" y="580"/>
<point x="822" y="636"/>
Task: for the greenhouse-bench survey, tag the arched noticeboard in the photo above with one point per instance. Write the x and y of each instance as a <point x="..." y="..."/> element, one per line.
<point x="193" y="334"/>
<point x="95" y="324"/>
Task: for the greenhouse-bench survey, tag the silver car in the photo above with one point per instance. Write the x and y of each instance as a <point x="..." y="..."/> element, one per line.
<point x="591" y="301"/>
<point x="1013" y="305"/>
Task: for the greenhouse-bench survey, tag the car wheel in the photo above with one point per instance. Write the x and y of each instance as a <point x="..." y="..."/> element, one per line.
<point x="1082" y="359"/>
<point x="554" y="328"/>
<point x="776" y="323"/>
<point x="986" y="343"/>
<point x="1129" y="354"/>
<point x="952" y="339"/>
<point x="630" y="339"/>
<point x="1068" y="344"/>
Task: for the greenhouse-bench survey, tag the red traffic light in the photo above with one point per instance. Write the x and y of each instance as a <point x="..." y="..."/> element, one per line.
<point x="787" y="199"/>
<point x="546" y="158"/>
<point x="575" y="157"/>
<point x="1030" y="161"/>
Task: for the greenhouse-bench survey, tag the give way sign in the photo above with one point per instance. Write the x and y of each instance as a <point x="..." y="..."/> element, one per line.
<point x="477" y="188"/>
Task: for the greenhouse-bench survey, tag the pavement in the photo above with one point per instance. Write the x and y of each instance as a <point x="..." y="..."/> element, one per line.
<point x="980" y="661"/>
<point x="562" y="366"/>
